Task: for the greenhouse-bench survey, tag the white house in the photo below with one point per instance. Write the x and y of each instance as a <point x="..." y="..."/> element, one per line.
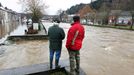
<point x="124" y="18"/>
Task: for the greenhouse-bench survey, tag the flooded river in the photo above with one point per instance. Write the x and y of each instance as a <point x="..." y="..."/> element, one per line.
<point x="105" y="51"/>
<point x="108" y="51"/>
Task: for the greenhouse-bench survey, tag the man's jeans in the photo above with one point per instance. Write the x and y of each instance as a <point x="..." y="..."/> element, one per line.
<point x="57" y="57"/>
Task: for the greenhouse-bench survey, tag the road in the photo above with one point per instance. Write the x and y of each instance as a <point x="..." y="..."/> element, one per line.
<point x="105" y="51"/>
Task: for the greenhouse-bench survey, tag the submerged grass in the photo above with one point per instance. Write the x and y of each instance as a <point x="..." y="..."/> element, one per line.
<point x="125" y="27"/>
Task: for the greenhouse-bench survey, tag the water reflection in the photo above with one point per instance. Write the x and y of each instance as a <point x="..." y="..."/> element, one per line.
<point x="7" y="28"/>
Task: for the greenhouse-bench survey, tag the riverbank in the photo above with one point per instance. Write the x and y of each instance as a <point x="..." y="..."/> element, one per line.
<point x="127" y="27"/>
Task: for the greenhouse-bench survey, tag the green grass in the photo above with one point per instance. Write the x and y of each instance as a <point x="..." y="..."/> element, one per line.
<point x="58" y="73"/>
<point x="117" y="27"/>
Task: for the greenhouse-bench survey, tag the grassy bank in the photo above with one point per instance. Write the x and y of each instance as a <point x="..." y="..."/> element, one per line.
<point x="117" y="27"/>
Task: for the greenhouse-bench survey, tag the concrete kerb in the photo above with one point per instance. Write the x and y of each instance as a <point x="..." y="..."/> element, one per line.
<point x="28" y="37"/>
<point x="26" y="70"/>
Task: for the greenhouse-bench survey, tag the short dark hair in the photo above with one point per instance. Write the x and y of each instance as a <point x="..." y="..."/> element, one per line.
<point x="76" y="18"/>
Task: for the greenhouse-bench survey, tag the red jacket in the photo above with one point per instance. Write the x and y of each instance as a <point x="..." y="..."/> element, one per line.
<point x="75" y="36"/>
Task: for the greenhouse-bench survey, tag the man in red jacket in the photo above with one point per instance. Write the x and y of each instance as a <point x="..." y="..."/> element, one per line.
<point x="74" y="43"/>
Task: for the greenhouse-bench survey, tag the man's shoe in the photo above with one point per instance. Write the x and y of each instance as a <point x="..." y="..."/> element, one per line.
<point x="57" y="67"/>
<point x="77" y="71"/>
<point x="51" y="68"/>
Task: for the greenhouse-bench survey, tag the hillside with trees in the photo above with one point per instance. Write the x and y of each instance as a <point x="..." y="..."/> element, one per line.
<point x="75" y="9"/>
<point x="99" y="4"/>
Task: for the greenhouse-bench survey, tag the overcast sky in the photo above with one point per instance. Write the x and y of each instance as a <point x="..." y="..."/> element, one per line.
<point x="53" y="5"/>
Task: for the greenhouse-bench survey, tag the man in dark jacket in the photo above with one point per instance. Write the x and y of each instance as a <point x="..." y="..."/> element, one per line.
<point x="56" y="35"/>
<point x="74" y="43"/>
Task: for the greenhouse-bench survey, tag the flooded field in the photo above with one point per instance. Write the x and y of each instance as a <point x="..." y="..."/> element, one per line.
<point x="105" y="51"/>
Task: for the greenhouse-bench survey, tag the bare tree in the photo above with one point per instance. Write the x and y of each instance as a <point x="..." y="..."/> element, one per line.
<point x="59" y="13"/>
<point x="86" y="12"/>
<point x="36" y="7"/>
<point x="104" y="11"/>
<point x="0" y="5"/>
<point x="102" y="17"/>
<point x="131" y="9"/>
<point x="91" y="16"/>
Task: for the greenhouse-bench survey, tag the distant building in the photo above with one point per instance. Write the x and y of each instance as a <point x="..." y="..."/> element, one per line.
<point x="120" y="17"/>
<point x="125" y="18"/>
<point x="9" y="20"/>
<point x="113" y="16"/>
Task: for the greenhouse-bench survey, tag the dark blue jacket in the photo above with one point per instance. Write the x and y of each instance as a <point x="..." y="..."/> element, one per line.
<point x="56" y="35"/>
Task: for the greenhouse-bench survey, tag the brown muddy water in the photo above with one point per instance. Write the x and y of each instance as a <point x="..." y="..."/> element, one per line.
<point x="105" y="51"/>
